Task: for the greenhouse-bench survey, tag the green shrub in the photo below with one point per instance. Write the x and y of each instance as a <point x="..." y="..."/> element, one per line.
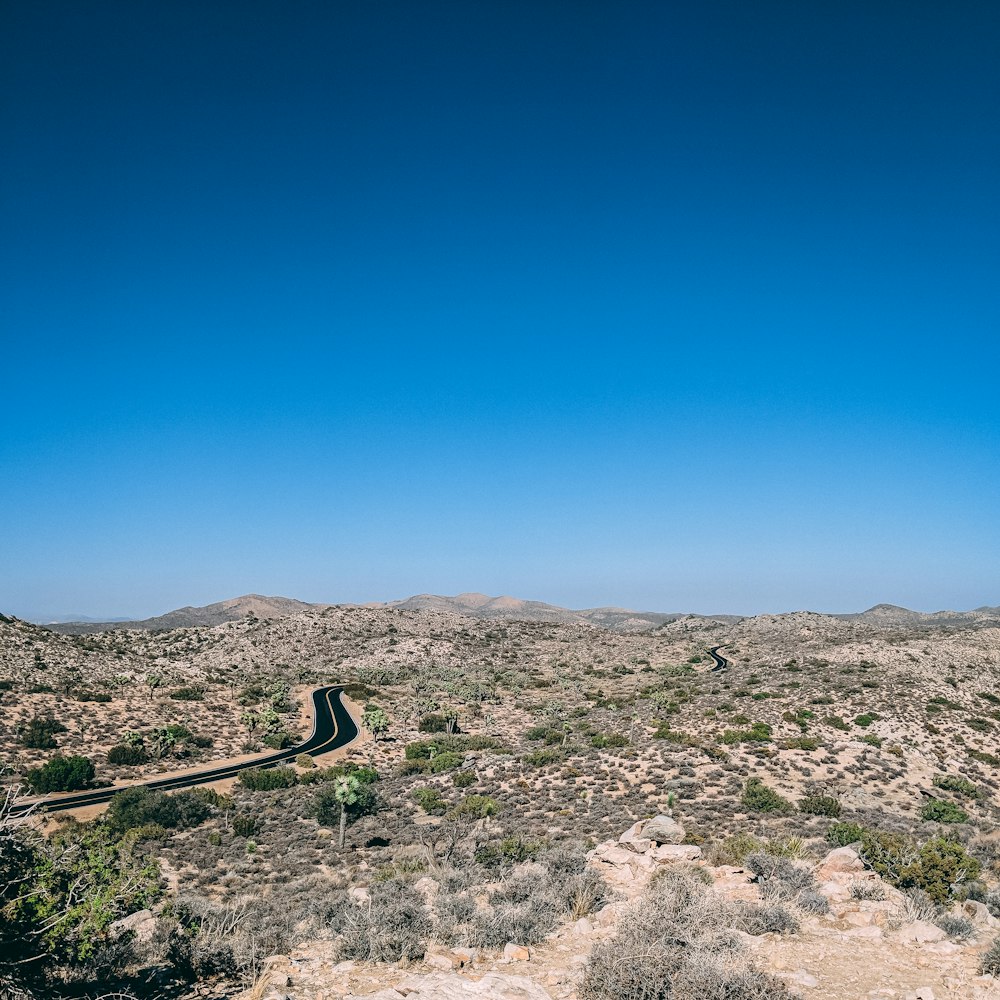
<point x="734" y="849"/>
<point x="477" y="807"/>
<point x="464" y="779"/>
<point x="935" y="867"/>
<point x="508" y="852"/>
<point x="259" y="779"/>
<point x="759" y="732"/>
<point x="188" y="694"/>
<point x="953" y="783"/>
<point x="759" y="798"/>
<point x="937" y="811"/>
<point x="278" y="741"/>
<point x="61" y="774"/>
<point x="433" y="723"/>
<point x="40" y="733"/>
<point x="542" y="758"/>
<point x="867" y="719"/>
<point x="802" y="743"/>
<point x="244" y="825"/>
<point x="836" y="722"/>
<point x="603" y="740"/>
<point x="138" y="807"/>
<point x="430" y="800"/>
<point x="128" y="754"/>
<point x="843" y="834"/>
<point x="872" y="740"/>
<point x="820" y="805"/>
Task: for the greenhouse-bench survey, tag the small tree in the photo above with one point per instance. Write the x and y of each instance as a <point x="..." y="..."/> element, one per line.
<point x="347" y="792"/>
<point x="153" y="681"/>
<point x="61" y="774"/>
<point x="251" y="720"/>
<point x="375" y="721"/>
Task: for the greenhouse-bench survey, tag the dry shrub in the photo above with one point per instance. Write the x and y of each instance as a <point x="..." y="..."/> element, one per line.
<point x="677" y="941"/>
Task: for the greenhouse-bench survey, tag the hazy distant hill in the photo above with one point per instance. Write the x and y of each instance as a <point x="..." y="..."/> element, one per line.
<point x="482" y="606"/>
<point x="889" y="615"/>
<point x="211" y="614"/>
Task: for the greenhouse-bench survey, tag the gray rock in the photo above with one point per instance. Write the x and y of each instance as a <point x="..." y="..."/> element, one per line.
<point x="663" y="830"/>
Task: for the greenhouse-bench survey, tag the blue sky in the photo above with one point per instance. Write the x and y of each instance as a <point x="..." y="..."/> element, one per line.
<point x="679" y="307"/>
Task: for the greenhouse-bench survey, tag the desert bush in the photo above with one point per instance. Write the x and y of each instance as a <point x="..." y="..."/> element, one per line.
<point x="779" y="879"/>
<point x="40" y="733"/>
<point x="137" y="807"/>
<point x="477" y="807"/>
<point x="304" y="761"/>
<point x="954" y="783"/>
<point x="989" y="964"/>
<point x="464" y="779"/>
<point x="430" y="800"/>
<point x="542" y="758"/>
<point x="61" y="774"/>
<point x="733" y="850"/>
<point x="759" y="798"/>
<point x="938" y="811"/>
<point x="259" y="779"/>
<point x="128" y="754"/>
<point x="393" y="926"/>
<point x="935" y="867"/>
<point x="244" y="825"/>
<point x="676" y="941"/>
<point x="604" y="740"/>
<point x="957" y="928"/>
<point x="843" y="834"/>
<point x="867" y="888"/>
<point x="189" y="693"/>
<point x="765" y="918"/>
<point x="231" y="940"/>
<point x="509" y="851"/>
<point x="820" y="805"/>
<point x="433" y="723"/>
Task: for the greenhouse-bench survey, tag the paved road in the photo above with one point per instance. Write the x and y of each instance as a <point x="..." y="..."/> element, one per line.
<point x="721" y="664"/>
<point x="333" y="727"/>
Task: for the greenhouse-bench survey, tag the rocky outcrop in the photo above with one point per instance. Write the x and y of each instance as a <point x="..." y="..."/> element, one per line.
<point x="448" y="986"/>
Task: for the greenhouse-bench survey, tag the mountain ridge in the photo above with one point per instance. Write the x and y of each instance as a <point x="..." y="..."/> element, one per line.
<point x="483" y="606"/>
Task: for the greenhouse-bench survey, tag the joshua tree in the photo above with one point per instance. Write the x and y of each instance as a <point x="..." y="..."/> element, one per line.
<point x="375" y="721"/>
<point x="153" y="681"/>
<point x="347" y="791"/>
<point x="251" y="720"/>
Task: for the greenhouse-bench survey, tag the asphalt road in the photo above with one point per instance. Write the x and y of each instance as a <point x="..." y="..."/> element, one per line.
<point x="333" y="727"/>
<point x="721" y="664"/>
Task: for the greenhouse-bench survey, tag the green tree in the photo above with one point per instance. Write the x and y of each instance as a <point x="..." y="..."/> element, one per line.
<point x="345" y="794"/>
<point x="61" y="774"/>
<point x="153" y="681"/>
<point x="40" y="732"/>
<point x="375" y="721"/>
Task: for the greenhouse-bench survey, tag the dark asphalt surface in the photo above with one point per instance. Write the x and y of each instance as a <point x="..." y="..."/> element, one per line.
<point x="721" y="664"/>
<point x="333" y="727"/>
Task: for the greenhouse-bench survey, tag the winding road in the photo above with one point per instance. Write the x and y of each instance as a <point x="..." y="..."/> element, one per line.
<point x="721" y="664"/>
<point x="333" y="728"/>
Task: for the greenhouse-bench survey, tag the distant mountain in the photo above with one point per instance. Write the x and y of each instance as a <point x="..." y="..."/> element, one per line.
<point x="188" y="617"/>
<point x="891" y="615"/>
<point x="482" y="606"/>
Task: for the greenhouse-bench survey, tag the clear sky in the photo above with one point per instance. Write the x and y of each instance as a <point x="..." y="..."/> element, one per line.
<point x="671" y="306"/>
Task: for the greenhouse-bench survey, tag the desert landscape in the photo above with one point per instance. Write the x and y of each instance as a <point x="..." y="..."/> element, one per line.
<point x="524" y="794"/>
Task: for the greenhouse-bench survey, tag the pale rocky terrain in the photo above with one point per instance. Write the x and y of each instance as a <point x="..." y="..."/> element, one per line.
<point x="582" y="731"/>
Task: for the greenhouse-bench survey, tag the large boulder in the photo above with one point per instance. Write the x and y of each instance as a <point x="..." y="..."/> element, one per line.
<point x="663" y="830"/>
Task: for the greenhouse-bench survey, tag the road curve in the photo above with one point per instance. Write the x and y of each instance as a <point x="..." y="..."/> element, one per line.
<point x="721" y="664"/>
<point x="333" y="728"/>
